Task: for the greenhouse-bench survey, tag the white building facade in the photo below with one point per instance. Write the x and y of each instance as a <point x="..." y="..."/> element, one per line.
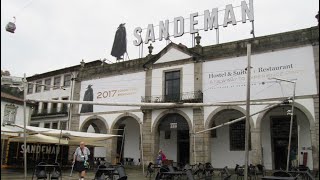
<point x="205" y="75"/>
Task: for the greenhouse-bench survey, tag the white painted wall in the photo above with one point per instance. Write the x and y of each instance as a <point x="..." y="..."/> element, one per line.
<point x="221" y="155"/>
<point x="169" y="146"/>
<point x="132" y="140"/>
<point x="19" y="115"/>
<point x="128" y="88"/>
<point x="98" y="151"/>
<point x="173" y="54"/>
<point x="222" y="78"/>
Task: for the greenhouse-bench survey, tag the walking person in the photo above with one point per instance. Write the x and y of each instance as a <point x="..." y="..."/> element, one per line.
<point x="80" y="160"/>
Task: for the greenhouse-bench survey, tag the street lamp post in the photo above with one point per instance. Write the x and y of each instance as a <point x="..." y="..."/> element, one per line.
<point x="25" y="124"/>
<point x="291" y="119"/>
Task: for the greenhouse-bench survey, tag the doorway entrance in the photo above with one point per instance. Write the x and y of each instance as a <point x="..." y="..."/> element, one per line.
<point x="280" y="128"/>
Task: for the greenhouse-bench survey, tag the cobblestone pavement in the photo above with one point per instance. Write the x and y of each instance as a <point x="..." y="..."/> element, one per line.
<point x="133" y="174"/>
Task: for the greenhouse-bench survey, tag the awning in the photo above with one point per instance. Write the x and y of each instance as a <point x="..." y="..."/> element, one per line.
<point x="39" y="138"/>
<point x="73" y="137"/>
<point x="7" y="132"/>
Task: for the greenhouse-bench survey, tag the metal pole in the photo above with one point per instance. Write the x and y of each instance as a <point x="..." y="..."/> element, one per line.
<point x="141" y="144"/>
<point x="298" y="146"/>
<point x="123" y="135"/>
<point x="25" y="125"/>
<point x="59" y="142"/>
<point x="71" y="98"/>
<point x="194" y="145"/>
<point x="291" y="122"/>
<point x="2" y="149"/>
<point x="247" y="112"/>
<point x="217" y="35"/>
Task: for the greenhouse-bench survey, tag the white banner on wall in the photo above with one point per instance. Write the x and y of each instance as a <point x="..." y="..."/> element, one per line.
<point x="121" y="88"/>
<point x="225" y="80"/>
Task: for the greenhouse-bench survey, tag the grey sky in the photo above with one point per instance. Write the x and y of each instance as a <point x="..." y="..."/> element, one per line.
<point x="54" y="34"/>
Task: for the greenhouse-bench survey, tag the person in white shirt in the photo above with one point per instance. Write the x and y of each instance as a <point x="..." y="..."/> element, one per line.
<point x="80" y="158"/>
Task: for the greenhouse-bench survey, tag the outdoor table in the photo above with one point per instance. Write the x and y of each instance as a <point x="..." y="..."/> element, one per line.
<point x="278" y="178"/>
<point x="174" y="174"/>
<point x="47" y="166"/>
<point x="110" y="171"/>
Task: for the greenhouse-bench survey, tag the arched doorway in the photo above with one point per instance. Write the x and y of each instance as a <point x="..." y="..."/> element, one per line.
<point x="127" y="147"/>
<point x="275" y="127"/>
<point x="173" y="138"/>
<point x="227" y="143"/>
<point x="96" y="124"/>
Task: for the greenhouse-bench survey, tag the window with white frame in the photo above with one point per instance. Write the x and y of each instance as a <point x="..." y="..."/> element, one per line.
<point x="10" y="112"/>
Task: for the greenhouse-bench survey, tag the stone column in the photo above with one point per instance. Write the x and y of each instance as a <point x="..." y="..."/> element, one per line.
<point x="315" y="130"/>
<point x="147" y="138"/>
<point x="256" y="150"/>
<point x="200" y="141"/>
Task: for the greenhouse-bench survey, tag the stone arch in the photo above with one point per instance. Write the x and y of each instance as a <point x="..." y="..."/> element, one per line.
<point x="114" y="129"/>
<point x="296" y="105"/>
<point x="209" y="121"/>
<point x="124" y="115"/>
<point x="99" y="124"/>
<point x="170" y="111"/>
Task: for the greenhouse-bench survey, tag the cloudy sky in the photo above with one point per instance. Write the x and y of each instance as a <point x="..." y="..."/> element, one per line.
<point x="54" y="34"/>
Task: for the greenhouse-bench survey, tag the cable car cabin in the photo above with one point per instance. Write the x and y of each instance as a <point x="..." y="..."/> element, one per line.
<point x="11" y="27"/>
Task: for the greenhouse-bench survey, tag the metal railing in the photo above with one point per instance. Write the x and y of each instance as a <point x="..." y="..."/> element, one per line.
<point x="187" y="97"/>
<point x="52" y="111"/>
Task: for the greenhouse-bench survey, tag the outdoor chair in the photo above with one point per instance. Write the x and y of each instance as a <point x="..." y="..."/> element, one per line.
<point x="260" y="170"/>
<point x="40" y="172"/>
<point x="56" y="172"/>
<point x="150" y="171"/>
<point x="200" y="171"/>
<point x="239" y="171"/>
<point x="121" y="173"/>
<point x="208" y="169"/>
<point x="225" y="174"/>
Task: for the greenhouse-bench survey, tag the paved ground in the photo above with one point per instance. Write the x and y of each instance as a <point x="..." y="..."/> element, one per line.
<point x="133" y="174"/>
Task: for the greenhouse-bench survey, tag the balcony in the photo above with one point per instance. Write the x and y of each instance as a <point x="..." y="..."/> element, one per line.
<point x="188" y="97"/>
<point x="52" y="112"/>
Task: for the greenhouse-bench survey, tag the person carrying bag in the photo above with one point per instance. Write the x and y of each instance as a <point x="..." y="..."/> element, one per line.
<point x="80" y="160"/>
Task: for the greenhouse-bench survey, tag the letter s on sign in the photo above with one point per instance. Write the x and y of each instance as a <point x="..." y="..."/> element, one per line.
<point x="137" y="34"/>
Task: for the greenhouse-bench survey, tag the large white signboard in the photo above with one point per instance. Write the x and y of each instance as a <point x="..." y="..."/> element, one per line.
<point x="122" y="88"/>
<point x="225" y="80"/>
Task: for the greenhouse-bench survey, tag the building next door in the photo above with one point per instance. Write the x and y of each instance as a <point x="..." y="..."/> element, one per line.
<point x="280" y="128"/>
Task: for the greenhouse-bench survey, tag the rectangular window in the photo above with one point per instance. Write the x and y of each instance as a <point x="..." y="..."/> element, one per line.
<point x="237" y="136"/>
<point x="56" y="82"/>
<point x="64" y="106"/>
<point x="67" y="80"/>
<point x="44" y="108"/>
<point x="167" y="134"/>
<point x="63" y="125"/>
<point x="30" y="88"/>
<point x="47" y="83"/>
<point x="172" y="86"/>
<point x="54" y="107"/>
<point x="38" y="86"/>
<point x="46" y="125"/>
<point x="34" y="124"/>
<point x="35" y="108"/>
<point x="54" y="125"/>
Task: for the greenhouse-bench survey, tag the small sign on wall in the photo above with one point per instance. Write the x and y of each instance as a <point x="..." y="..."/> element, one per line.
<point x="173" y="125"/>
